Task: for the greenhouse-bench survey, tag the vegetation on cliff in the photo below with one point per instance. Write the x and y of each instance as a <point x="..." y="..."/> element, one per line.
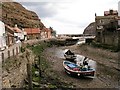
<point x="14" y="13"/>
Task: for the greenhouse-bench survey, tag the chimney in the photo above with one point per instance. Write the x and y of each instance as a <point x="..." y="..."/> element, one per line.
<point x="111" y="12"/>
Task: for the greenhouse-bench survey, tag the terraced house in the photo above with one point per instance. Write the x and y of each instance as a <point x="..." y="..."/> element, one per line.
<point x="33" y="33"/>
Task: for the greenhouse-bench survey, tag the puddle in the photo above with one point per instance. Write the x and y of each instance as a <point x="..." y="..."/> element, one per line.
<point x="59" y="53"/>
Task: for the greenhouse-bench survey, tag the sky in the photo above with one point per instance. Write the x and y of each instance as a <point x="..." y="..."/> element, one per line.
<point x="69" y="16"/>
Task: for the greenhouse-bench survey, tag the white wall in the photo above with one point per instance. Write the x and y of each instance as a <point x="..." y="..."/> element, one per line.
<point x="19" y="35"/>
<point x="2" y="38"/>
<point x="2" y="28"/>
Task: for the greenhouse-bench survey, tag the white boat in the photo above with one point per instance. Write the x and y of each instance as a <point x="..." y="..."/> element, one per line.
<point x="69" y="55"/>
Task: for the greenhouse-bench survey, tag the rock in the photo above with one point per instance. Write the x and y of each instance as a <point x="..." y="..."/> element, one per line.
<point x="6" y="82"/>
<point x="35" y="83"/>
<point x="36" y="73"/>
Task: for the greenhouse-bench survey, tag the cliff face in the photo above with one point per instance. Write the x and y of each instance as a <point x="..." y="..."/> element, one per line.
<point x="14" y="13"/>
<point x="90" y="29"/>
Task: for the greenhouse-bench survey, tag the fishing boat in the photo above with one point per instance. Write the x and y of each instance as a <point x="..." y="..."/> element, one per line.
<point x="69" y="55"/>
<point x="73" y="69"/>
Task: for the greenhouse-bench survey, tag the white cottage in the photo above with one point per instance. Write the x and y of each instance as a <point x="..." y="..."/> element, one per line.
<point x="19" y="34"/>
<point x="2" y="36"/>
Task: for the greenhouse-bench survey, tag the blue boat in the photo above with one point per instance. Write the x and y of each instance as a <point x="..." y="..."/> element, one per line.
<point x="73" y="69"/>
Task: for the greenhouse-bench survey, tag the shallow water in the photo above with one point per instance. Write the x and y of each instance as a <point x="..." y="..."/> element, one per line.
<point x="59" y="53"/>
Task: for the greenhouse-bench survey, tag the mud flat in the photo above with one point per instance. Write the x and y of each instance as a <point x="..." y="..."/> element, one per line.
<point x="107" y="70"/>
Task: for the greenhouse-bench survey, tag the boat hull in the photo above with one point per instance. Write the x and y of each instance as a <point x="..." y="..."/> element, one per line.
<point x="70" y="71"/>
<point x="91" y="73"/>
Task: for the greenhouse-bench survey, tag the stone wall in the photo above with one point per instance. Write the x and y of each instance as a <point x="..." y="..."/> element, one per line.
<point x="7" y="53"/>
<point x="15" y="70"/>
<point x="110" y="38"/>
<point x="10" y="51"/>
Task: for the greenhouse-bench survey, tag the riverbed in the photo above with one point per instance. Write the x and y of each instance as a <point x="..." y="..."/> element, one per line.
<point x="107" y="70"/>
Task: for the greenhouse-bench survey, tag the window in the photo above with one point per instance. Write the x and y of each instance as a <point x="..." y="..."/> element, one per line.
<point x="99" y="27"/>
<point x="100" y="21"/>
<point x="99" y="33"/>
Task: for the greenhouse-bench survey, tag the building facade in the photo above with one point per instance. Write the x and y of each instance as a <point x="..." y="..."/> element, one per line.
<point x="107" y="28"/>
<point x="119" y="12"/>
<point x="33" y="33"/>
<point x="46" y="33"/>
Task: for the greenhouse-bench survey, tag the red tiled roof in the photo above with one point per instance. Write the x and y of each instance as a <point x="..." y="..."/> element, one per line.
<point x="108" y="12"/>
<point x="32" y="30"/>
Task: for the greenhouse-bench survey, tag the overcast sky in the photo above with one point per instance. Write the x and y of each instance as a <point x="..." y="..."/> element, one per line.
<point x="69" y="16"/>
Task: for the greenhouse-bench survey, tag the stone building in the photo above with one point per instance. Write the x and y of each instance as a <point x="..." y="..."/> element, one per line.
<point x="46" y="33"/>
<point x="107" y="29"/>
<point x="111" y="12"/>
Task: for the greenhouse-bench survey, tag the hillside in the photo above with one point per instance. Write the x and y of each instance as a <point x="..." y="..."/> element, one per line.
<point x="90" y="29"/>
<point x="14" y="13"/>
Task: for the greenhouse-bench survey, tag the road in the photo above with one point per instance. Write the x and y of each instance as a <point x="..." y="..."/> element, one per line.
<point x="106" y="71"/>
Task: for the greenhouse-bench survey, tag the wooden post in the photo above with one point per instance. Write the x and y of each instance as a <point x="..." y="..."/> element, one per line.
<point x="16" y="50"/>
<point x="39" y="69"/>
<point x="2" y="57"/>
<point x="13" y="53"/>
<point x="8" y="54"/>
<point x="29" y="71"/>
